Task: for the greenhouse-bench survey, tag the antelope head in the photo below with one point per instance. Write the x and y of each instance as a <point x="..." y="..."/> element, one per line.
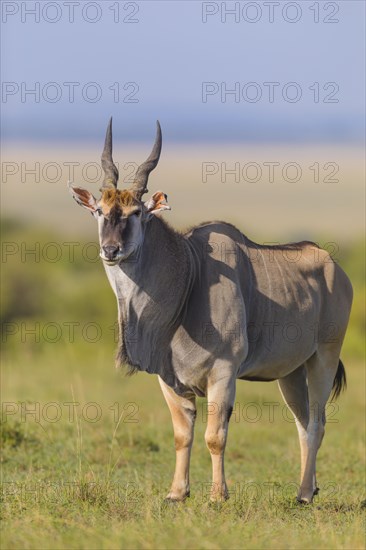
<point x="121" y="214"/>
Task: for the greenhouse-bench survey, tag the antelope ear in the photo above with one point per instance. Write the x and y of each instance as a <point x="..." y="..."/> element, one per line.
<point x="157" y="203"/>
<point x="84" y="198"/>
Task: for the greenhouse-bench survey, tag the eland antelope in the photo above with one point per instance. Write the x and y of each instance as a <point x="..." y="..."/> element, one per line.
<point x="204" y="308"/>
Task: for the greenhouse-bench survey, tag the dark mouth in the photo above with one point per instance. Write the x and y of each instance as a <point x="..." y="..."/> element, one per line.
<point x="120" y="258"/>
<point x="111" y="262"/>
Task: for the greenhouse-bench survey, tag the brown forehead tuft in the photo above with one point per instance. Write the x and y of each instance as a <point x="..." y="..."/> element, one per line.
<point x="116" y="197"/>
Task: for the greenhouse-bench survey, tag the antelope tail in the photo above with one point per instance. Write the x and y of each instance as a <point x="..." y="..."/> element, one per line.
<point x="340" y="381"/>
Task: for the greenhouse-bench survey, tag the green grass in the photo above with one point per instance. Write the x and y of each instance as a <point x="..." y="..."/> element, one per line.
<point x="75" y="483"/>
<point x="81" y="484"/>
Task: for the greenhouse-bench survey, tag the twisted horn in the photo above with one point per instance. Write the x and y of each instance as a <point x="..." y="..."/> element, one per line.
<point x="109" y="168"/>
<point x="142" y="175"/>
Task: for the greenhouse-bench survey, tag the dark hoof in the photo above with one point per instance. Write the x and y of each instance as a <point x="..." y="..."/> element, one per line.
<point x="303" y="501"/>
<point x="316" y="492"/>
<point x="171" y="500"/>
<point x="218" y="501"/>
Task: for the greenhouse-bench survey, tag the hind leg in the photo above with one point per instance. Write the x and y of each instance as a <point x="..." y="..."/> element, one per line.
<point x="294" y="390"/>
<point x="321" y="369"/>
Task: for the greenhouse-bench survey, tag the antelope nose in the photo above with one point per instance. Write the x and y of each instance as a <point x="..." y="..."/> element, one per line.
<point x="110" y="251"/>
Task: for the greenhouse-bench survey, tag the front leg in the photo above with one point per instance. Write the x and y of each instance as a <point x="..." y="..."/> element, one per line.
<point x="220" y="401"/>
<point x="183" y="413"/>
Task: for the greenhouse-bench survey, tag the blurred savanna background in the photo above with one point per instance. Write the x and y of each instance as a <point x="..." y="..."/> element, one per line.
<point x="262" y="112"/>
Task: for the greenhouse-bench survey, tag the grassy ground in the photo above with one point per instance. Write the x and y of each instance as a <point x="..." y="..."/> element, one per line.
<point x="94" y="475"/>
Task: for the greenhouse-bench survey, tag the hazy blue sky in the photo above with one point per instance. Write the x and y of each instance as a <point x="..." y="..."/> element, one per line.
<point x="163" y="58"/>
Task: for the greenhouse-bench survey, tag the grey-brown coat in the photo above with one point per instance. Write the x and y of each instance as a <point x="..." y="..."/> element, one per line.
<point x="207" y="307"/>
